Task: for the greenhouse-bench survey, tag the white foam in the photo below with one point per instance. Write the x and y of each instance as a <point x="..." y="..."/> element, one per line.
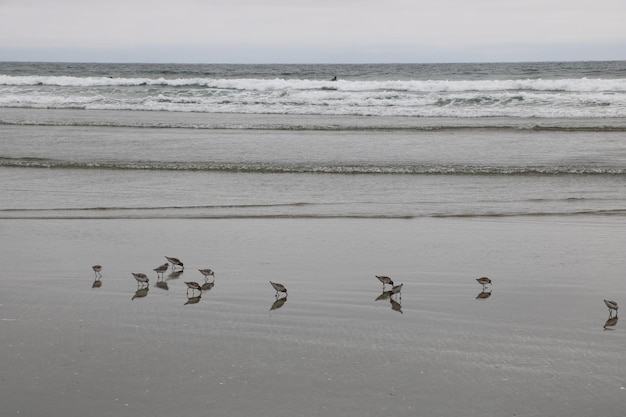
<point x="421" y="98"/>
<point x="279" y="84"/>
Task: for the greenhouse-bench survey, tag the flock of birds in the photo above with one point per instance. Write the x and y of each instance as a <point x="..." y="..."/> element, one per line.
<point x="193" y="286"/>
<point x="196" y="288"/>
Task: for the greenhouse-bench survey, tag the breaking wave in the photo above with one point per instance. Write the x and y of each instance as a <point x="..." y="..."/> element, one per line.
<point x="574" y="97"/>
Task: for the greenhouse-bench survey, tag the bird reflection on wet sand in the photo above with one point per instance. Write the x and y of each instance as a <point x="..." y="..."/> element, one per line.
<point x="383" y="296"/>
<point x="207" y="286"/>
<point x="141" y="292"/>
<point x="610" y="322"/>
<point x="96" y="283"/>
<point x="278" y="303"/>
<point x="193" y="299"/>
<point x="395" y="305"/>
<point x="483" y="295"/>
<point x="162" y="285"/>
<point x="174" y="275"/>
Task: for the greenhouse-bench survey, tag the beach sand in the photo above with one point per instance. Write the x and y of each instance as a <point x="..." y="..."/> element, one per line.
<point x="536" y="347"/>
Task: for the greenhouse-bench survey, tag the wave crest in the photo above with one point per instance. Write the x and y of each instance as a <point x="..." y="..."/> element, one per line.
<point x="278" y="84"/>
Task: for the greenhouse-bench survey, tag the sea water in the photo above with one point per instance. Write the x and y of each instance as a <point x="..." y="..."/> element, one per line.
<point x="219" y="141"/>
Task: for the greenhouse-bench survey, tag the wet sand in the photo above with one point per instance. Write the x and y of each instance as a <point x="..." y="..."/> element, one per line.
<point x="537" y="346"/>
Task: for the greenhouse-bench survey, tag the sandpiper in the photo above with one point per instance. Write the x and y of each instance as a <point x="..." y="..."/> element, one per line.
<point x="385" y="280"/>
<point x="397" y="290"/>
<point x="483" y="281"/>
<point x="207" y="272"/>
<point x="193" y="286"/>
<point x="175" y="262"/>
<point x="612" y="305"/>
<point x="161" y="269"/>
<point x="278" y="287"/>
<point x="141" y="278"/>
<point x="96" y="270"/>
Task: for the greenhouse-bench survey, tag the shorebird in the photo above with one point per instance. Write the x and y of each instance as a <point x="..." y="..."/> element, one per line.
<point x="278" y="287"/>
<point x="385" y="280"/>
<point x="96" y="270"/>
<point x="175" y="262"/>
<point x="193" y="286"/>
<point x="483" y="281"/>
<point x="397" y="289"/>
<point x="141" y="278"/>
<point x="161" y="269"/>
<point x="612" y="305"/>
<point x="207" y="272"/>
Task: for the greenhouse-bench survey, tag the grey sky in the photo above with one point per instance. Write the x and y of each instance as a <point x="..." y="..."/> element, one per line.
<point x="299" y="31"/>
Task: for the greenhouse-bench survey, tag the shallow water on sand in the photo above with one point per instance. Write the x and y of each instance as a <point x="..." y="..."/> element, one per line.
<point x="537" y="346"/>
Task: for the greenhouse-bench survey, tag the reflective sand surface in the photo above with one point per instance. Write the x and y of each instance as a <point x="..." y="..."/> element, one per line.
<point x="539" y="341"/>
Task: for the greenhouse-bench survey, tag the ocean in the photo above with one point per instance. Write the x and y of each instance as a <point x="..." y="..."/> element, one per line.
<point x="434" y="175"/>
<point x="206" y="141"/>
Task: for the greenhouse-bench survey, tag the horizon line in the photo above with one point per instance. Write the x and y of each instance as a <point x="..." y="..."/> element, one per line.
<point x="28" y="61"/>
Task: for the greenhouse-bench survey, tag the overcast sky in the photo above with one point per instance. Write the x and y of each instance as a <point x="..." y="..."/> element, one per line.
<point x="312" y="31"/>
